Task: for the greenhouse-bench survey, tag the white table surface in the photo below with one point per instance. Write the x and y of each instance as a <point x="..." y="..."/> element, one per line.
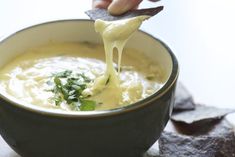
<point x="200" y="32"/>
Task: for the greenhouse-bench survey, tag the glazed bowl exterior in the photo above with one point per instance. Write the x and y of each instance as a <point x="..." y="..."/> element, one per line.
<point x="124" y="132"/>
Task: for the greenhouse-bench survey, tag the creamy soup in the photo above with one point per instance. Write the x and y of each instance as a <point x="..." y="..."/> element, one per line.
<point x="78" y="76"/>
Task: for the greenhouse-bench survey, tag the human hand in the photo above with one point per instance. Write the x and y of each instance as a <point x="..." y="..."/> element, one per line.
<point x="117" y="7"/>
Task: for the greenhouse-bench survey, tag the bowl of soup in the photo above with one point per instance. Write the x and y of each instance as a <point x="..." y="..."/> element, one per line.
<point x="50" y="108"/>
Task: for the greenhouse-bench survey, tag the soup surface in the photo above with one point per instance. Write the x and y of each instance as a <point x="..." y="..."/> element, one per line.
<point x="72" y="76"/>
<point x="61" y="75"/>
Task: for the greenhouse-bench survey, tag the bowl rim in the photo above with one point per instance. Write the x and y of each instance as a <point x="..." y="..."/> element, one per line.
<point x="103" y="113"/>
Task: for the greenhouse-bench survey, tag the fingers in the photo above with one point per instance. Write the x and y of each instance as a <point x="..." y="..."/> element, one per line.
<point x="101" y="3"/>
<point x="154" y="0"/>
<point x="118" y="7"/>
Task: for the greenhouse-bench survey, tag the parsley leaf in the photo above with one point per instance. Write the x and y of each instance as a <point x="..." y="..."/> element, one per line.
<point x="63" y="74"/>
<point x="68" y="87"/>
<point x="87" y="105"/>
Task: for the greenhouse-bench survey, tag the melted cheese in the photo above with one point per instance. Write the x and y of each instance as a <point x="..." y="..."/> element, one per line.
<point x="115" y="35"/>
<point x="26" y="77"/>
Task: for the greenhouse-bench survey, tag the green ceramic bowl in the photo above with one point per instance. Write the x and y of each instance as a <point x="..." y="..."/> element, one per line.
<point x="124" y="132"/>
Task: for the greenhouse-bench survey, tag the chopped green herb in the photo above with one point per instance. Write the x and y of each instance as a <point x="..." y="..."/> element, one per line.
<point x="63" y="74"/>
<point x="57" y="81"/>
<point x="58" y="100"/>
<point x="87" y="105"/>
<point x="107" y="80"/>
<point x="75" y="106"/>
<point x="150" y="77"/>
<point x="68" y="87"/>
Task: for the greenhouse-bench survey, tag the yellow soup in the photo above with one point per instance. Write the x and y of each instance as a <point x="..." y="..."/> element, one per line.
<point x="74" y="76"/>
<point x="30" y="77"/>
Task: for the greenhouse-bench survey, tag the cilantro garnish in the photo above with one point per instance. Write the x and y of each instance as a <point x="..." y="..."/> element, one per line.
<point x="87" y="105"/>
<point x="68" y="87"/>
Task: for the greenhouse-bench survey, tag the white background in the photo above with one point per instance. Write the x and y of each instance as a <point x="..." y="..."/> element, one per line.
<point x="200" y="32"/>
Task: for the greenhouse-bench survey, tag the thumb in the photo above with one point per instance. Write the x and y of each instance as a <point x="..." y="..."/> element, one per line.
<point x="118" y="7"/>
